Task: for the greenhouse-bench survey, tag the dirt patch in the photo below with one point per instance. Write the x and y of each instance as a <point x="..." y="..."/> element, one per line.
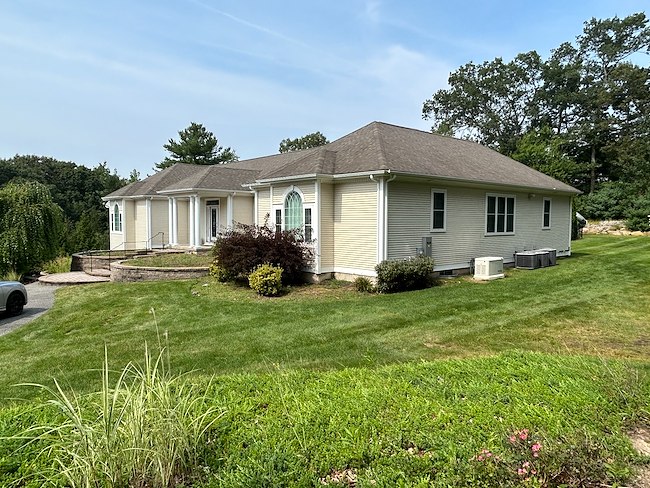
<point x="640" y="437"/>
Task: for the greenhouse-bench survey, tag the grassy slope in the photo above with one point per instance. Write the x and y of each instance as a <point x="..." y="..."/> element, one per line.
<point x="596" y="302"/>
<point x="416" y="424"/>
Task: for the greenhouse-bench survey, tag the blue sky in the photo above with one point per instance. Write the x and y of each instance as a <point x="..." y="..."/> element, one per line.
<point x="112" y="81"/>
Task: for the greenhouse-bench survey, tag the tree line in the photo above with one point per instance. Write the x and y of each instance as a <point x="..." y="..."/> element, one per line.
<point x="582" y="115"/>
<point x="50" y="207"/>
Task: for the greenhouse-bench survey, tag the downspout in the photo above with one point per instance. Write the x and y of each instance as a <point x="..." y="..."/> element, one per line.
<point x="381" y="201"/>
<point x="385" y="256"/>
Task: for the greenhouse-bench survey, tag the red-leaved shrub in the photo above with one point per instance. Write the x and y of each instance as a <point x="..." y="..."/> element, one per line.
<point x="240" y="250"/>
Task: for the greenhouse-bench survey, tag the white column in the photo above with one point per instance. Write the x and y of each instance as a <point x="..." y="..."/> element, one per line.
<point x="229" y="211"/>
<point x="192" y="221"/>
<point x="197" y="220"/>
<point x="170" y="220"/>
<point x="174" y="235"/>
<point x="147" y="204"/>
<point x="315" y="219"/>
<point x="255" y="212"/>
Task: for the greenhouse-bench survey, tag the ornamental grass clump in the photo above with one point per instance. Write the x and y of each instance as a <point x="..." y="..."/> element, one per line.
<point x="147" y="430"/>
<point x="266" y="280"/>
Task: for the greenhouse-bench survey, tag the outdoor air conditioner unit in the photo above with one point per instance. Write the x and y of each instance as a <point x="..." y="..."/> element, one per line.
<point x="552" y="255"/>
<point x="488" y="268"/>
<point x="532" y="259"/>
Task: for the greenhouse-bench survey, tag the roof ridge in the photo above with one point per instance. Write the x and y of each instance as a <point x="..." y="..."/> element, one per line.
<point x="380" y="140"/>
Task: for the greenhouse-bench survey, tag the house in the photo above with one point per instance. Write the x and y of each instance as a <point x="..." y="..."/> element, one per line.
<point x="371" y="195"/>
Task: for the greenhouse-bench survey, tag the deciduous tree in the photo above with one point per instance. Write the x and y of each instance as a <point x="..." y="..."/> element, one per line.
<point x="308" y="141"/>
<point x="31" y="227"/>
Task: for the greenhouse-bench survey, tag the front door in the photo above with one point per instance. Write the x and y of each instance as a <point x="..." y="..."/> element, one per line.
<point x="212" y="225"/>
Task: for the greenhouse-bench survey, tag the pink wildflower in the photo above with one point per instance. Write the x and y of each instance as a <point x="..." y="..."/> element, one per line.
<point x="523" y="435"/>
<point x="480" y="457"/>
<point x="521" y="472"/>
<point x="512" y="439"/>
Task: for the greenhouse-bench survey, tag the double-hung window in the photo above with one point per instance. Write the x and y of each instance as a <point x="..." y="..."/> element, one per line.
<point x="546" y="214"/>
<point x="438" y="210"/>
<point x="500" y="214"/>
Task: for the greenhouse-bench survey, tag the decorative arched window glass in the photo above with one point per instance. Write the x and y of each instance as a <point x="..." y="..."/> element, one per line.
<point x="116" y="219"/>
<point x="293" y="216"/>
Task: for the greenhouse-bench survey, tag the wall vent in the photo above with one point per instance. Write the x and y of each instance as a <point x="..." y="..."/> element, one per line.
<point x="488" y="268"/>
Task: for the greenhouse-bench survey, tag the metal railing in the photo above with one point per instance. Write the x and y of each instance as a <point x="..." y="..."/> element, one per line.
<point x="123" y="250"/>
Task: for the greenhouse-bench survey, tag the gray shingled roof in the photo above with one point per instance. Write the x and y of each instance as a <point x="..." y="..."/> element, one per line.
<point x="380" y="146"/>
<point x="219" y="177"/>
<point x="375" y="147"/>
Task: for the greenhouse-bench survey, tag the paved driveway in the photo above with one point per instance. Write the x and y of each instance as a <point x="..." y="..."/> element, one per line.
<point x="40" y="299"/>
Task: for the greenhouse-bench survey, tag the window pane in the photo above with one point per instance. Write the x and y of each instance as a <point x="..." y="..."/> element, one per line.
<point x="500" y="223"/>
<point x="308" y="233"/>
<point x="501" y="205"/>
<point x="293" y="211"/>
<point x="547" y="206"/>
<point x="511" y="205"/>
<point x="510" y="227"/>
<point x="491" y="204"/>
<point x="547" y="220"/>
<point x="308" y="216"/>
<point x="438" y="219"/>
<point x="439" y="201"/>
<point x="490" y="223"/>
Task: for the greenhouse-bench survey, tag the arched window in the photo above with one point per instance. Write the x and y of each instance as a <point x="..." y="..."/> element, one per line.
<point x="117" y="219"/>
<point x="293" y="214"/>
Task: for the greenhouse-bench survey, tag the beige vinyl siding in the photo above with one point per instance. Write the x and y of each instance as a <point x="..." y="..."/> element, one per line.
<point x="307" y="188"/>
<point x="140" y="223"/>
<point x="223" y="213"/>
<point x="183" y="211"/>
<point x="355" y="225"/>
<point x="243" y="209"/>
<point x="263" y="205"/>
<point x="128" y="224"/>
<point x="159" y="222"/>
<point x="326" y="238"/>
<point x="409" y="214"/>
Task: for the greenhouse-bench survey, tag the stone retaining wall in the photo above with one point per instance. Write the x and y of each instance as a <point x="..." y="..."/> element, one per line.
<point x="612" y="227"/>
<point x="125" y="273"/>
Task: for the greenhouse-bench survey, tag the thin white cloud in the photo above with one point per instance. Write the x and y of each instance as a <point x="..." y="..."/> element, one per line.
<point x="251" y="25"/>
<point x="372" y="11"/>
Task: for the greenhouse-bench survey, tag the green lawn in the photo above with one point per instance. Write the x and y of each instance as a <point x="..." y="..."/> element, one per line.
<point x="326" y="384"/>
<point x="172" y="260"/>
<point x="596" y="302"/>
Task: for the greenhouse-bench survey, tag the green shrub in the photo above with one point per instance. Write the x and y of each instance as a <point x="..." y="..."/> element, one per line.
<point x="58" y="265"/>
<point x="364" y="285"/>
<point x="266" y="280"/>
<point x="403" y="275"/>
<point x="242" y="249"/>
<point x="220" y="274"/>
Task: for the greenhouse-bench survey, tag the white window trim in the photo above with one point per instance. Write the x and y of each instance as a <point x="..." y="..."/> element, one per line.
<point x="550" y="212"/>
<point x="514" y="215"/>
<point x="444" y="210"/>
<point x="112" y="218"/>
<point x="305" y="206"/>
